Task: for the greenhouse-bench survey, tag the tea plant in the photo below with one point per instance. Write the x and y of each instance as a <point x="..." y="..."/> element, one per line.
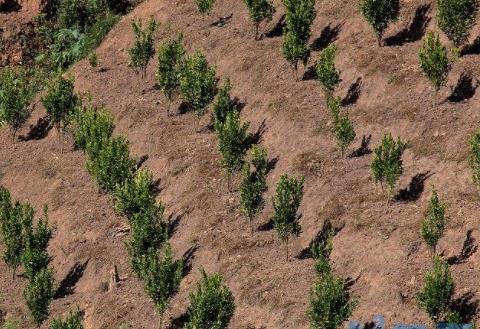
<point x="143" y="49"/>
<point x="387" y="164"/>
<point x="259" y="11"/>
<point x="434" y="60"/>
<point x="456" y="18"/>
<point x="433" y="224"/>
<point x="379" y="14"/>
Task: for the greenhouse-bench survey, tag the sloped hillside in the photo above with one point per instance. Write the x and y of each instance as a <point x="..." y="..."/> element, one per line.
<point x="378" y="246"/>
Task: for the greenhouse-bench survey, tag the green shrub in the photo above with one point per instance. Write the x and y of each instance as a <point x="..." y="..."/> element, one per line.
<point x="170" y="56"/>
<point x="205" y="6"/>
<point x="334" y="105"/>
<point x="344" y="133"/>
<point x="211" y="306"/>
<point x="289" y="194"/>
<point x="9" y="324"/>
<point x="433" y="224"/>
<point x="387" y="165"/>
<point x="73" y="321"/>
<point x="223" y="105"/>
<point x="330" y="304"/>
<point x="143" y="48"/>
<point x="39" y="293"/>
<point x="198" y="83"/>
<point x="379" y="14"/>
<point x="434" y="60"/>
<point x="474" y="158"/>
<point x="325" y="69"/>
<point x="93" y="59"/>
<point x="15" y="97"/>
<point x="321" y="251"/>
<point x="112" y="165"/>
<point x="60" y="101"/>
<point x="259" y="11"/>
<point x="436" y="297"/>
<point x="456" y="18"/>
<point x="162" y="277"/>
<point x="294" y="50"/>
<point x="254" y="184"/>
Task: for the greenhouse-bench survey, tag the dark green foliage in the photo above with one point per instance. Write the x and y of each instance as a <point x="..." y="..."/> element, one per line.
<point x="39" y="293"/>
<point x="330" y="304"/>
<point x="162" y="277"/>
<point x="15" y="96"/>
<point x="325" y="69"/>
<point x="223" y="105"/>
<point x="474" y="158"/>
<point x="112" y="165"/>
<point x="136" y="195"/>
<point x="198" y="83"/>
<point x="148" y="231"/>
<point x="294" y="49"/>
<point x="205" y="6"/>
<point x="60" y="101"/>
<point x="321" y="251"/>
<point x="259" y="10"/>
<point x="433" y="224"/>
<point x="436" y="297"/>
<point x="379" y="14"/>
<point x="232" y="142"/>
<point x="387" y="164"/>
<point x="289" y="194"/>
<point x="344" y="133"/>
<point x="170" y="56"/>
<point x="143" y="48"/>
<point x="254" y="183"/>
<point x="73" y="321"/>
<point x="456" y="18"/>
<point x="434" y="60"/>
<point x="334" y="105"/>
<point x="211" y="306"/>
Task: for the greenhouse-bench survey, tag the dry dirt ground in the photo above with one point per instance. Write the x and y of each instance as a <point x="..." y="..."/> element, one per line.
<point x="378" y="247"/>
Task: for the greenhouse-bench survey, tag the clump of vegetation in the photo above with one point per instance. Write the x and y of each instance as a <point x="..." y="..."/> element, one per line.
<point x="254" y="184"/>
<point x="288" y="196"/>
<point x="327" y="74"/>
<point x="39" y="293"/>
<point x="387" y="164"/>
<point x="205" y="6"/>
<point x="170" y="57"/>
<point x="321" y="251"/>
<point x="198" y="83"/>
<point x="259" y="11"/>
<point x="212" y="305"/>
<point x="299" y="16"/>
<point x="456" y="18"/>
<point x="436" y="297"/>
<point x="379" y="14"/>
<point x="434" y="60"/>
<point x="143" y="48"/>
<point x="15" y="97"/>
<point x="330" y="304"/>
<point x="433" y="224"/>
<point x="93" y="59"/>
<point x="223" y="105"/>
<point x="474" y="158"/>
<point x="73" y="321"/>
<point x="334" y="104"/>
<point x="344" y="133"/>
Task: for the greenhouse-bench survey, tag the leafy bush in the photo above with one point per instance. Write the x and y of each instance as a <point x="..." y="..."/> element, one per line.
<point x="223" y="105"/>
<point x="379" y="14"/>
<point x="474" y="158"/>
<point x="433" y="224"/>
<point x="162" y="277"/>
<point x="198" y="83"/>
<point x="289" y="194"/>
<point x="434" y="60"/>
<point x="60" y="101"/>
<point x="344" y="133"/>
<point x="387" y="165"/>
<point x="39" y="293"/>
<point x="294" y="50"/>
<point x="112" y="165"/>
<point x="334" y="105"/>
<point x="330" y="304"/>
<point x="170" y="56"/>
<point x="73" y="321"/>
<point x="254" y="184"/>
<point x="15" y="97"/>
<point x="259" y="10"/>
<point x="456" y="18"/>
<point x="143" y="48"/>
<point x="325" y="69"/>
<point x="436" y="297"/>
<point x="321" y="251"/>
<point x="211" y="306"/>
<point x="93" y="59"/>
<point x="205" y="6"/>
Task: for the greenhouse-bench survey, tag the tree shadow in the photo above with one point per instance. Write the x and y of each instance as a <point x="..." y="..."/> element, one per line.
<point x="464" y="89"/>
<point x="38" y="131"/>
<point x="268" y="226"/>
<point x="353" y="93"/>
<point x="184" y="108"/>
<point x="277" y="30"/>
<point x="413" y="191"/>
<point x="468" y="249"/>
<point x="67" y="285"/>
<point x="364" y="148"/>
<point x="320" y="237"/>
<point x="238" y="104"/>
<point x="310" y="73"/>
<point x="415" y="31"/>
<point x="188" y="257"/>
<point x="471" y="49"/>
<point x="465" y="306"/>
<point x="328" y="35"/>
<point x="179" y="322"/>
<point x="256" y="137"/>
<point x="272" y="163"/>
<point x="9" y="6"/>
<point x="173" y="223"/>
<point x="222" y="21"/>
<point x="140" y="161"/>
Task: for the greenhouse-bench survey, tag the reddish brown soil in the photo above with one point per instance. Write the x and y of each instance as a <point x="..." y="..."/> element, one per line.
<point x="379" y="247"/>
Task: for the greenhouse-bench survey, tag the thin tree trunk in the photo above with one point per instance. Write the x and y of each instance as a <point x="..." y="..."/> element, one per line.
<point x="286" y="244"/>
<point x="14" y="273"/>
<point x="256" y="31"/>
<point x="250" y="218"/>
